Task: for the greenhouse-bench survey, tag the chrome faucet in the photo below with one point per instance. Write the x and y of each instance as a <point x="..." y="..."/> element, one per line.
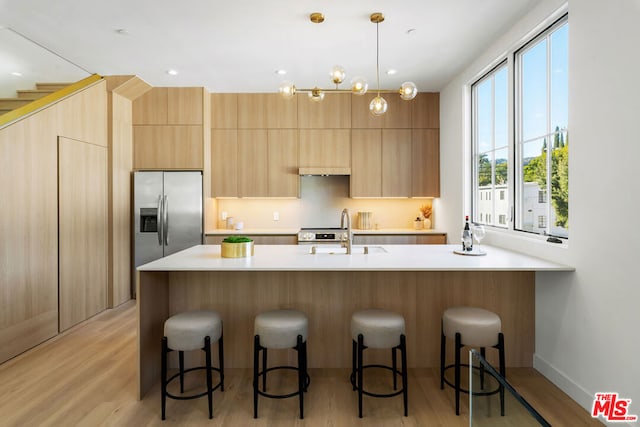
<point x="346" y="243"/>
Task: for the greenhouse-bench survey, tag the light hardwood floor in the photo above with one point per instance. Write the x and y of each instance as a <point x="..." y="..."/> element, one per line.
<point x="86" y="377"/>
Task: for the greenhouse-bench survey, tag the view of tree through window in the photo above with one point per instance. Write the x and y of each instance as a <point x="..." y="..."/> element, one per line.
<point x="535" y="134"/>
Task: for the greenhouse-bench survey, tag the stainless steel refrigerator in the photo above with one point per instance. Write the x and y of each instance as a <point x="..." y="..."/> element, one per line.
<point x="167" y="213"/>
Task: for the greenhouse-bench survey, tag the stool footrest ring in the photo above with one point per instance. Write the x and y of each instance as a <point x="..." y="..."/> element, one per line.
<point x="282" y="396"/>
<point x="368" y="393"/>
<point x="466" y="391"/>
<point x="195" y="396"/>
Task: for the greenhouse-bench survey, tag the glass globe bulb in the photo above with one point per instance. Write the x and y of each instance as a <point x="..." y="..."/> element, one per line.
<point x="378" y="106"/>
<point x="408" y="91"/>
<point x="338" y="74"/>
<point x="316" y="94"/>
<point x="359" y="86"/>
<point x="287" y="89"/>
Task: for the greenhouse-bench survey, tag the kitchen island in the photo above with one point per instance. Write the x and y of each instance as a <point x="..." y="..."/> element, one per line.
<point x="418" y="281"/>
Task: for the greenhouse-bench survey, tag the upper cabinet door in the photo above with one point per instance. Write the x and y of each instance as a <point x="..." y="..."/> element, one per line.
<point x="252" y="163"/>
<point x="426" y="162"/>
<point x="334" y="112"/>
<point x="366" y="163"/>
<point x="184" y="105"/>
<point x="326" y="148"/>
<point x="425" y="111"/>
<point x="266" y="111"/>
<point x="167" y="147"/>
<point x="396" y="163"/>
<point x="284" y="180"/>
<point x="224" y="110"/>
<point x="224" y="163"/>
<point x="151" y="108"/>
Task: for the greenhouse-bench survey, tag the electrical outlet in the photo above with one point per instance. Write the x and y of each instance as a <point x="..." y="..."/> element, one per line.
<point x="223" y="216"/>
<point x="276" y="216"/>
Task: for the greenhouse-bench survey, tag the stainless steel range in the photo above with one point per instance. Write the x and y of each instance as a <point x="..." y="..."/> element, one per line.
<point x="316" y="236"/>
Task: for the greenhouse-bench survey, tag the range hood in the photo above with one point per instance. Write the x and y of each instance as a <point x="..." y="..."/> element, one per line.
<point x="324" y="171"/>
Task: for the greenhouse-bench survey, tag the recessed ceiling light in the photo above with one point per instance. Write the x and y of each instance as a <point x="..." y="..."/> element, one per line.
<point x="172" y="72"/>
<point x="122" y="31"/>
<point x="281" y="72"/>
<point x="411" y="31"/>
<point x="16" y="73"/>
<point x="391" y="72"/>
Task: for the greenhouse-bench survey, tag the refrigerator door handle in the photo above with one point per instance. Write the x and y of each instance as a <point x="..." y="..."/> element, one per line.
<point x="159" y="218"/>
<point x="166" y="220"/>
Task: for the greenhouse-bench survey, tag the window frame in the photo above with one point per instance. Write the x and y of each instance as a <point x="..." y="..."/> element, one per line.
<point x="514" y="179"/>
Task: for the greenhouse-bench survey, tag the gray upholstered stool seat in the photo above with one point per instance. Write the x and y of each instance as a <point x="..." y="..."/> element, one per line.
<point x="379" y="328"/>
<point x="473" y="327"/>
<point x="376" y="328"/>
<point x="477" y="327"/>
<point x="280" y="329"/>
<point x="186" y="331"/>
<point x="192" y="330"/>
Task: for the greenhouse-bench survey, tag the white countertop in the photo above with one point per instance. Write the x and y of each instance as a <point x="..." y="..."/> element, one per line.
<point x="294" y="231"/>
<point x="396" y="258"/>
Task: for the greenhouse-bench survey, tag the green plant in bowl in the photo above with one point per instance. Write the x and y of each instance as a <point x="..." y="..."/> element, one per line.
<point x="237" y="247"/>
<point x="237" y="239"/>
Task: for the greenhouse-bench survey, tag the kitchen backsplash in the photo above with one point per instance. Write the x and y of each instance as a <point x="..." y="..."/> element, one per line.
<point x="322" y="198"/>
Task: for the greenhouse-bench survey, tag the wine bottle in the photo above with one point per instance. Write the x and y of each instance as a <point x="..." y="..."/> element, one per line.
<point x="467" y="237"/>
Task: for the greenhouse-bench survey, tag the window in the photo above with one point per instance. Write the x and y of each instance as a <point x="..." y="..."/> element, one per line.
<point x="489" y="98"/>
<point x="520" y="139"/>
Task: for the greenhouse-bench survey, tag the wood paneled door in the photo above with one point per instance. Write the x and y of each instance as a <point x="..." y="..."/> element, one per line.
<point x="82" y="222"/>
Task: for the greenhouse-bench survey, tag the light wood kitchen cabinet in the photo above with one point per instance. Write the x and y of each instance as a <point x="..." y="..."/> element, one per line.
<point x="396" y="156"/>
<point x="366" y="163"/>
<point x="185" y="105"/>
<point x="333" y="112"/>
<point x="224" y="110"/>
<point x="262" y="239"/>
<point x="266" y="111"/>
<point x="253" y="163"/>
<point x="325" y="148"/>
<point x="151" y="108"/>
<point x="284" y="180"/>
<point x="398" y="115"/>
<point x="224" y="163"/>
<point x="379" y="160"/>
<point x="82" y="206"/>
<point x="399" y="239"/>
<point x="425" y="163"/>
<point x="425" y="111"/>
<point x="167" y="147"/>
<point x="169" y="106"/>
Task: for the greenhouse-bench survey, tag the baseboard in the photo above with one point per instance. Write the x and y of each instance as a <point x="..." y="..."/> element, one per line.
<point x="583" y="397"/>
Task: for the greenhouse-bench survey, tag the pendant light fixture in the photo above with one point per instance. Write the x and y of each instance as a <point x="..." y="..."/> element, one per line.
<point x="359" y="86"/>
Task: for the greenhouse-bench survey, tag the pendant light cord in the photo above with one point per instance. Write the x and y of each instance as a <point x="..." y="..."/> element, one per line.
<point x="378" y="56"/>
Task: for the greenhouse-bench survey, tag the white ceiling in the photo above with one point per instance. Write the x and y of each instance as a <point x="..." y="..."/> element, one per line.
<point x="237" y="45"/>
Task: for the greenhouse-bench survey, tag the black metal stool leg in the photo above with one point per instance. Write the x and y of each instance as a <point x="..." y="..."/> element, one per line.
<point x="443" y="348"/>
<point x="483" y="352"/>
<point x="163" y="376"/>
<point x="264" y="369"/>
<point x="503" y="370"/>
<point x="394" y="366"/>
<point x="221" y="361"/>
<point x="302" y="376"/>
<point x="359" y="381"/>
<point x="256" y="358"/>
<point x="457" y="371"/>
<point x="207" y="352"/>
<point x="405" y="382"/>
<point x="181" y="359"/>
<point x="354" y="357"/>
<point x="306" y="367"/>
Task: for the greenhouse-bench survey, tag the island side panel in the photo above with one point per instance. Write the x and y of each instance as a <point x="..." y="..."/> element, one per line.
<point x="330" y="298"/>
<point x="152" y="302"/>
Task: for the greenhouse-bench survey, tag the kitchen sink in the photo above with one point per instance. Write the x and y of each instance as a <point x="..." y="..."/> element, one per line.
<point x="338" y="250"/>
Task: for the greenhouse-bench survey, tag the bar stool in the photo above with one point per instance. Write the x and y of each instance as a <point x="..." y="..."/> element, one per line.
<point x="188" y="331"/>
<point x="375" y="328"/>
<point x="280" y="329"/>
<point x="473" y="327"/>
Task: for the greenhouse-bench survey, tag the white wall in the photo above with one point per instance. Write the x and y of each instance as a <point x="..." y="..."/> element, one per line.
<point x="587" y="322"/>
